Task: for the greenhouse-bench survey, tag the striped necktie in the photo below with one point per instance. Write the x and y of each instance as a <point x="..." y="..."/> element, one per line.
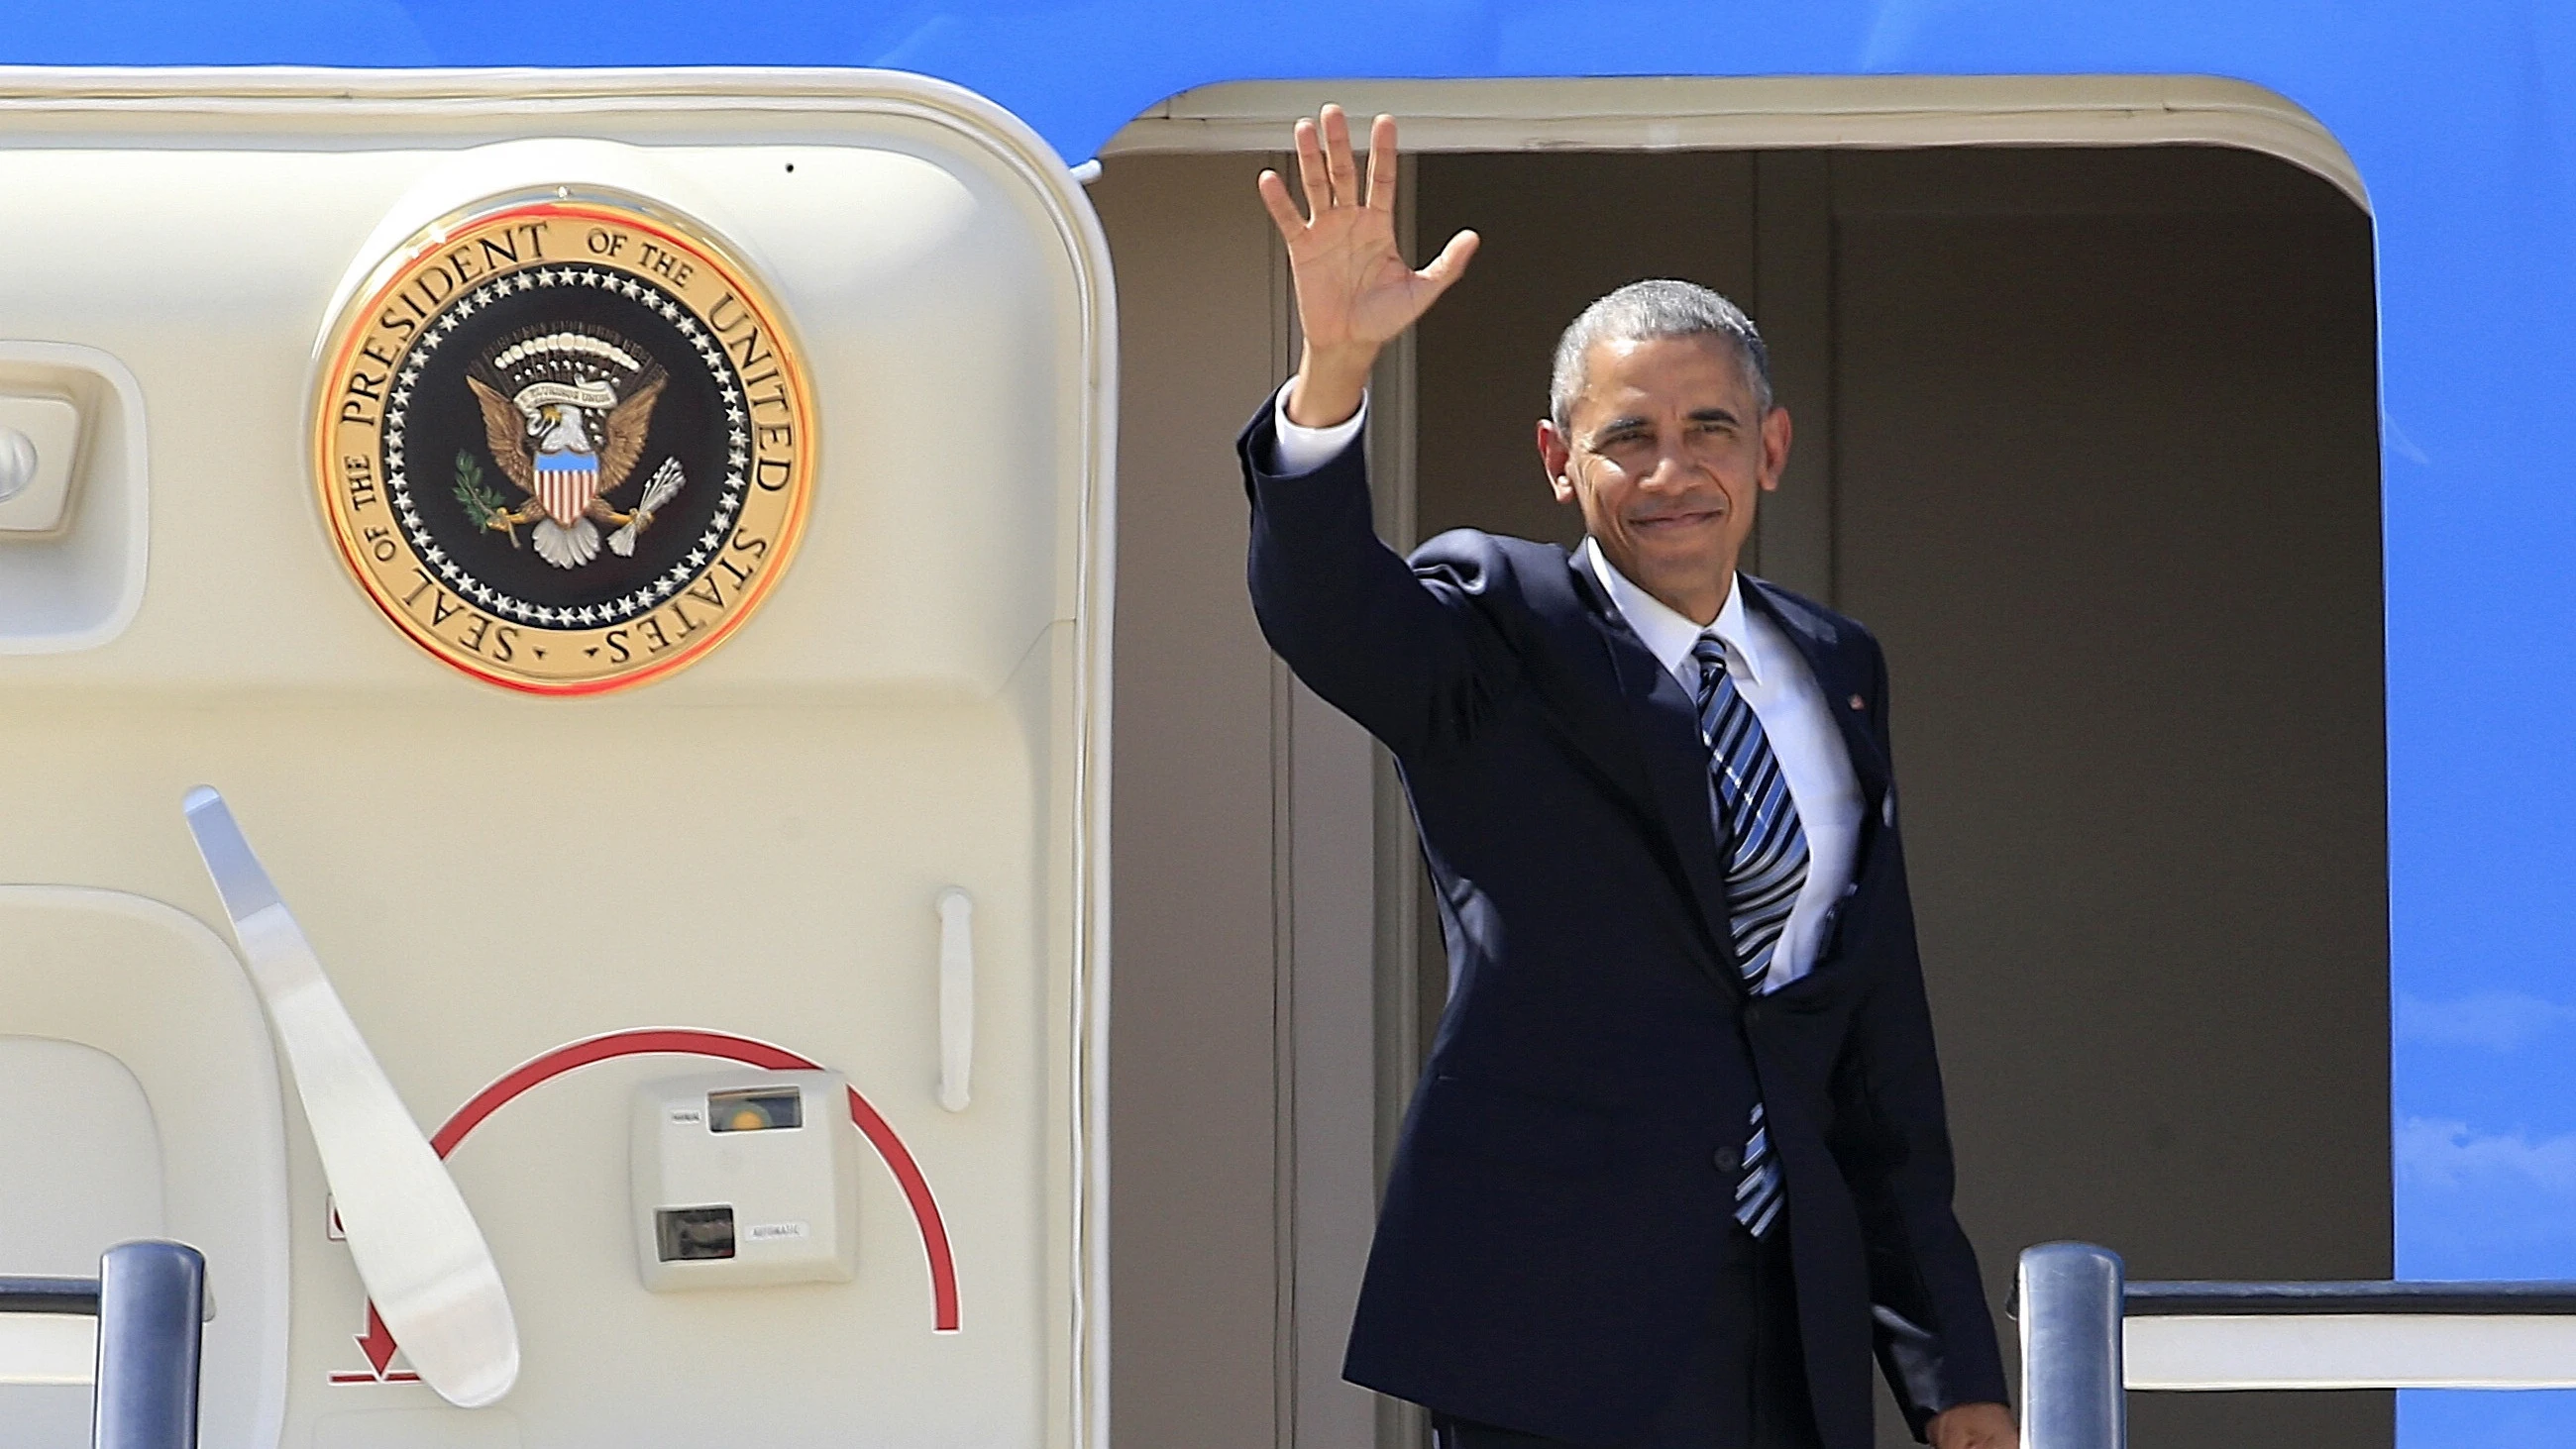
<point x="1766" y="867"/>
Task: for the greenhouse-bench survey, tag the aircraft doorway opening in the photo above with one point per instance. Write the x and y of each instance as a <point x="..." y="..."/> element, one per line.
<point x="2087" y="435"/>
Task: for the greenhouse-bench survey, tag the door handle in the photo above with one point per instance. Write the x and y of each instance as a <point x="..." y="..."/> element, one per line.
<point x="956" y="996"/>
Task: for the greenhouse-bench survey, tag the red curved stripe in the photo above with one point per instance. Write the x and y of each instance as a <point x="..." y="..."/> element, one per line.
<point x="687" y="1041"/>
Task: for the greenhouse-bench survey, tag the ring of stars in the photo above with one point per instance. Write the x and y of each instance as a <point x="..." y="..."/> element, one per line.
<point x="653" y="594"/>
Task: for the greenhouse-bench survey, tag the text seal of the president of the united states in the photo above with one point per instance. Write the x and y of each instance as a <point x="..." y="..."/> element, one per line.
<point x="564" y="441"/>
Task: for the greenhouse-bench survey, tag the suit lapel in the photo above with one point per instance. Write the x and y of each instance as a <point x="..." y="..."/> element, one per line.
<point x="1588" y="708"/>
<point x="1667" y="762"/>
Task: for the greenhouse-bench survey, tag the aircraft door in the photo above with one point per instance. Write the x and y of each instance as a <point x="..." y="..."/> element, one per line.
<point x="632" y="552"/>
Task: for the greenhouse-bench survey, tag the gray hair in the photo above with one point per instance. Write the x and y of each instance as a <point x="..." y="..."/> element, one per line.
<point x="1643" y="311"/>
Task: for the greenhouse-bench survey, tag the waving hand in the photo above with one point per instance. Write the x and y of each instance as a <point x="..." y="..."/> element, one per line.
<point x="1355" y="293"/>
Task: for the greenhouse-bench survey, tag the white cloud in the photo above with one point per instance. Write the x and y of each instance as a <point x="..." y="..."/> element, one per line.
<point x="2497" y="1020"/>
<point x="2444" y="1154"/>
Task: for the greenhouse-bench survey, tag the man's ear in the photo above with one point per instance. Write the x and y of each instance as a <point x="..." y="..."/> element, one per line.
<point x="1775" y="447"/>
<point x="1556" y="455"/>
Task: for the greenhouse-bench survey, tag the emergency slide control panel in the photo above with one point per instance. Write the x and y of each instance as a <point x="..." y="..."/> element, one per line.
<point x="745" y="1178"/>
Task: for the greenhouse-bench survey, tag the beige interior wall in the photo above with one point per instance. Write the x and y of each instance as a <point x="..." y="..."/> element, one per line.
<point x="1244" y="1043"/>
<point x="1194" y="1149"/>
<point x="2107" y="485"/>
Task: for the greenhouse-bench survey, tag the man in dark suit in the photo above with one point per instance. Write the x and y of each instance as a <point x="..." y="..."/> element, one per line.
<point x="1679" y="1159"/>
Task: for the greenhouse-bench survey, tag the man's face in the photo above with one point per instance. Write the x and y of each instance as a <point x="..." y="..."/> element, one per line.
<point x="1665" y="451"/>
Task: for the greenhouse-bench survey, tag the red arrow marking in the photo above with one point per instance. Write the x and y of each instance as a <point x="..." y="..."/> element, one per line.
<point x="378" y="1342"/>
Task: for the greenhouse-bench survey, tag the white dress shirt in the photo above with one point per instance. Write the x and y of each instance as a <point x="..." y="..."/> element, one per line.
<point x="1769" y="672"/>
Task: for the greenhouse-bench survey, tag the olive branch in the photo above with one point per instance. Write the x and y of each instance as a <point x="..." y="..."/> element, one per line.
<point x="482" y="505"/>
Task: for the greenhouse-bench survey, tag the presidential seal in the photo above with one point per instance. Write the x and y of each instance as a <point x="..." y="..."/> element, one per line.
<point x="564" y="442"/>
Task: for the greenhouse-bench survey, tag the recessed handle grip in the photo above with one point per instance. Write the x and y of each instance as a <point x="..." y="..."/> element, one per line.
<point x="956" y="996"/>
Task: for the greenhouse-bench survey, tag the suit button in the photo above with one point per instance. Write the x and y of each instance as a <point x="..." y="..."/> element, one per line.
<point x="1727" y="1159"/>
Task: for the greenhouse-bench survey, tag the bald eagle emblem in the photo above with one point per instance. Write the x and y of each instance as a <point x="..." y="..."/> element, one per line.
<point x="566" y="409"/>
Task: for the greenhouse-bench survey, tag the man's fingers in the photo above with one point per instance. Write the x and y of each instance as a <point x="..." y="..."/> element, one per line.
<point x="1451" y="264"/>
<point x="1283" y="211"/>
<point x="1974" y="1426"/>
<point x="1338" y="163"/>
<point x="1382" y="173"/>
<point x="1310" y="169"/>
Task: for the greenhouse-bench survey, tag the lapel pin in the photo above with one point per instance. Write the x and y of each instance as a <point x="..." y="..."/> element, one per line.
<point x="1858" y="703"/>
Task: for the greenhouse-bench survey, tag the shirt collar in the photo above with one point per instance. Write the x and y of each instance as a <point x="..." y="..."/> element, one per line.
<point x="1667" y="634"/>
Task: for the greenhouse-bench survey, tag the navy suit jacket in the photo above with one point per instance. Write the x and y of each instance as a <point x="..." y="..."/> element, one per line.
<point x="1550" y="1242"/>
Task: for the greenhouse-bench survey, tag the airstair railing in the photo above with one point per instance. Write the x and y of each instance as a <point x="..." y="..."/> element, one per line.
<point x="2069" y="1301"/>
<point x="2088" y="1335"/>
<point x="150" y="1302"/>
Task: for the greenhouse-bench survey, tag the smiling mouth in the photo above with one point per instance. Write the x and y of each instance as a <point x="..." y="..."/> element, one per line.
<point x="1656" y="522"/>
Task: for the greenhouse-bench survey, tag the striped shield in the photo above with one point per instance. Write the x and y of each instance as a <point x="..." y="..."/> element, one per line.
<point x="566" y="482"/>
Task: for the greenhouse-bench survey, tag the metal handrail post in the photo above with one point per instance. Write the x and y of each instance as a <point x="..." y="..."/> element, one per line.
<point x="151" y="1315"/>
<point x="2074" y="1393"/>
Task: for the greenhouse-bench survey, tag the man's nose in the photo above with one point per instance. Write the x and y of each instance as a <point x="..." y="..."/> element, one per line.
<point x="1674" y="469"/>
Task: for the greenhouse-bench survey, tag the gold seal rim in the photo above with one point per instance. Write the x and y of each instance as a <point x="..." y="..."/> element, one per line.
<point x="348" y="333"/>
